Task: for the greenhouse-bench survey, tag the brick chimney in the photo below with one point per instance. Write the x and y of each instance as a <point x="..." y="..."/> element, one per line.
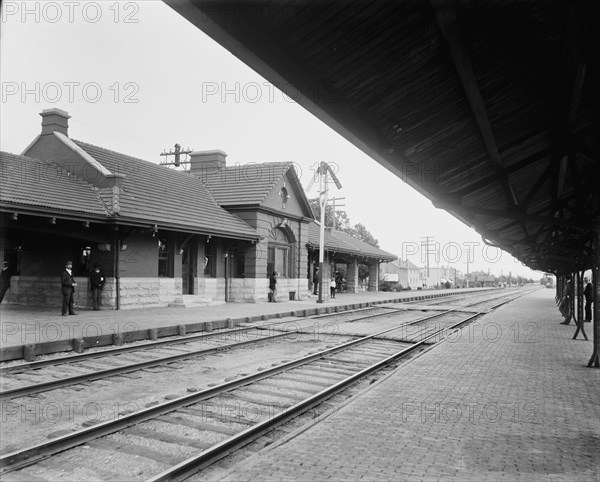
<point x="55" y="120"/>
<point x="207" y="162"/>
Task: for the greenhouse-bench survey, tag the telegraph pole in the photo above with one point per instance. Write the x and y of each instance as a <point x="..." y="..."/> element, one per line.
<point x="468" y="256"/>
<point x="323" y="203"/>
<point x="426" y="238"/>
<point x="177" y="153"/>
<point x="324" y="171"/>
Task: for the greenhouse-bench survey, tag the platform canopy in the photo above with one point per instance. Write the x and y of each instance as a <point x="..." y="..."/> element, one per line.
<point x="485" y="107"/>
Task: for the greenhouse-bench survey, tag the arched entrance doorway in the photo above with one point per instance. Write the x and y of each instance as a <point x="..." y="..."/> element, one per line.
<point x="281" y="252"/>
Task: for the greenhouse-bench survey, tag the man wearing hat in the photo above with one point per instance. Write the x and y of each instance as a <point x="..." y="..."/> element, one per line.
<point x="4" y="280"/>
<point x="96" y="285"/>
<point x="588" y="293"/>
<point x="68" y="288"/>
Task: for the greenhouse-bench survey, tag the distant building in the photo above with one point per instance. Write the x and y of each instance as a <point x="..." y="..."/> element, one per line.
<point x="436" y="277"/>
<point x="480" y="279"/>
<point x="404" y="272"/>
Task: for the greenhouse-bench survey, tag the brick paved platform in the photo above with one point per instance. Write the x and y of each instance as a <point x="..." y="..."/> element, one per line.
<point x="506" y="399"/>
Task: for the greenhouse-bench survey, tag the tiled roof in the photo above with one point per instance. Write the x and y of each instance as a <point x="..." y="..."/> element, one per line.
<point x="345" y="243"/>
<point x="166" y="197"/>
<point x="34" y="184"/>
<point x="247" y="184"/>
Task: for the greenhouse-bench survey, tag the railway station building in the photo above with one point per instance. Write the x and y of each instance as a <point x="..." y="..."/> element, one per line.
<point x="213" y="233"/>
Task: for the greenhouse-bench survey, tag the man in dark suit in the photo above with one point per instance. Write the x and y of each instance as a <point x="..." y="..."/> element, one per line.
<point x="4" y="280"/>
<point x="67" y="289"/>
<point x="96" y="285"/>
<point x="588" y="293"/>
<point x="273" y="287"/>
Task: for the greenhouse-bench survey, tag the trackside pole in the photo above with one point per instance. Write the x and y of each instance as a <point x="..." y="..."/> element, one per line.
<point x="323" y="195"/>
<point x="595" y="359"/>
<point x="580" y="315"/>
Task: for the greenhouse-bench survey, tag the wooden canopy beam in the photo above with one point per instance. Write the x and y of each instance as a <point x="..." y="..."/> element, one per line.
<point x="446" y="20"/>
<point x="517" y="166"/>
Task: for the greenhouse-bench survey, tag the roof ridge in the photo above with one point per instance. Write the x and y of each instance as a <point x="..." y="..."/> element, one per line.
<point x="186" y="180"/>
<point x="238" y="165"/>
<point x="94" y="191"/>
<point x="50" y="163"/>
<point x="276" y="179"/>
<point x="261" y="178"/>
<point x="256" y="163"/>
<point x="113" y="151"/>
<point x="186" y="174"/>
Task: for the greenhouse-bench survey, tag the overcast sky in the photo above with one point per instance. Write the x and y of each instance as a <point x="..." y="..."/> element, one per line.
<point x="138" y="78"/>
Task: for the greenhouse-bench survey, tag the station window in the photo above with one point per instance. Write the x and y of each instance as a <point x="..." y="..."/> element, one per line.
<point x="239" y="266"/>
<point x="164" y="259"/>
<point x="209" y="263"/>
<point x="84" y="259"/>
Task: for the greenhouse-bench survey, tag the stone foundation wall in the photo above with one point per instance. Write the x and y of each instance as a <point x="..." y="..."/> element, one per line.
<point x="135" y="292"/>
<point x="248" y="290"/>
<point x="211" y="288"/>
<point x="149" y="292"/>
<point x="46" y="291"/>
<point x="251" y="290"/>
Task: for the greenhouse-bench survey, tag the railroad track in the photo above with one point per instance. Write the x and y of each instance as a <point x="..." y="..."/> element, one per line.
<point x="117" y="361"/>
<point x="176" y="438"/>
<point x="122" y="360"/>
<point x="189" y="427"/>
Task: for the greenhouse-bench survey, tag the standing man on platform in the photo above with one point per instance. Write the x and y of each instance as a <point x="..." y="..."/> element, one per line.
<point x="96" y="285"/>
<point x="588" y="292"/>
<point x="67" y="289"/>
<point x="273" y="287"/>
<point x="4" y="280"/>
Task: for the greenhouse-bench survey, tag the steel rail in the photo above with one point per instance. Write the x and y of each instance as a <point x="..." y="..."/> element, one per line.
<point x="452" y="296"/>
<point x="87" y="377"/>
<point x="193" y="464"/>
<point x="22" y="367"/>
<point x="22" y="458"/>
<point x="97" y="375"/>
